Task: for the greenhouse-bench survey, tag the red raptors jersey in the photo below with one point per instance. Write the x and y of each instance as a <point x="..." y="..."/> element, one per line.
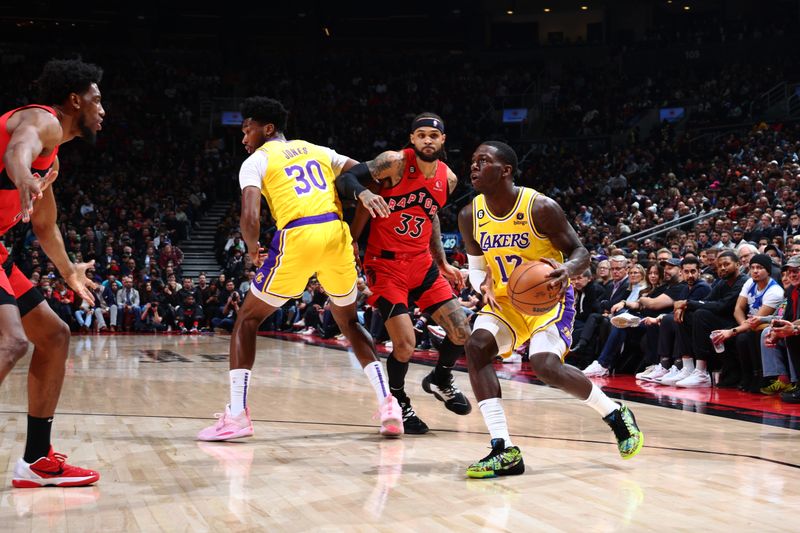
<point x="10" y="206"/>
<point x="413" y="202"/>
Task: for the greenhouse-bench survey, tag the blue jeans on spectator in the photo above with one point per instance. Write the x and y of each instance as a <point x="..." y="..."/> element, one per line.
<point x="223" y="323"/>
<point x="773" y="360"/>
<point x="612" y="347"/>
<point x="84" y="318"/>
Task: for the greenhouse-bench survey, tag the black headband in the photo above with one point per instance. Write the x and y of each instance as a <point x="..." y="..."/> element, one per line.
<point x="428" y="122"/>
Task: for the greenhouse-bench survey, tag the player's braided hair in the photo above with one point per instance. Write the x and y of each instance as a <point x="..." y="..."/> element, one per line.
<point x="62" y="77"/>
<point x="266" y="111"/>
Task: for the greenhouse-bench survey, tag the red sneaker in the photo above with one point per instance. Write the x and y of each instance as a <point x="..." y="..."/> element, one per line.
<point x="51" y="470"/>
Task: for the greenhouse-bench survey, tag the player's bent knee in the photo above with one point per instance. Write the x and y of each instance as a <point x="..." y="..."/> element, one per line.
<point x="58" y="335"/>
<point x="403" y="350"/>
<point x="546" y="368"/>
<point x="478" y="348"/>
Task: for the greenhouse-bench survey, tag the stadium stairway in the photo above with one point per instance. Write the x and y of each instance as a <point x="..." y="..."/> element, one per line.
<point x="198" y="250"/>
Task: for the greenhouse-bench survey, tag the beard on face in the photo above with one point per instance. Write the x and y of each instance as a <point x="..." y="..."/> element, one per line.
<point x="436" y="155"/>
<point x="87" y="133"/>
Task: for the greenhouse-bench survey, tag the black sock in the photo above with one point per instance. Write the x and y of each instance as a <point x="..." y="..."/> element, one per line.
<point x="38" y="443"/>
<point x="397" y="376"/>
<point x="448" y="354"/>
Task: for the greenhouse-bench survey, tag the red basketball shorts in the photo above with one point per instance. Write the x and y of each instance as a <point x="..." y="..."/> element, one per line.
<point x="15" y="288"/>
<point x="396" y="283"/>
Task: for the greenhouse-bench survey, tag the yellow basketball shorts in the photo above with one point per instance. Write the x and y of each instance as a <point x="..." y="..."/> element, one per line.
<point x="524" y="327"/>
<point x="318" y="244"/>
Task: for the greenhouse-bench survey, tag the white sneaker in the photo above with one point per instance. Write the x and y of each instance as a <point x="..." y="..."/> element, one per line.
<point x="513" y="358"/>
<point x="625" y="320"/>
<point x="389" y="345"/>
<point x="699" y="379"/>
<point x="437" y="331"/>
<point x="645" y="374"/>
<point x="657" y="373"/>
<point x="671" y="379"/>
<point x="595" y="370"/>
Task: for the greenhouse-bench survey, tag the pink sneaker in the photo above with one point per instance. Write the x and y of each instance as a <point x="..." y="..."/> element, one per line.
<point x="391" y="417"/>
<point x="228" y="427"/>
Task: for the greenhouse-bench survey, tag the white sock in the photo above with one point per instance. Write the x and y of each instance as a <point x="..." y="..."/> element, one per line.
<point x="377" y="378"/>
<point x="495" y="418"/>
<point x="601" y="403"/>
<point x="702" y="365"/>
<point x="240" y="381"/>
<point x="688" y="363"/>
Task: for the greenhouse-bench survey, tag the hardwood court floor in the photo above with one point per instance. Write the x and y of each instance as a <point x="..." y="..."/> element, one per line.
<point x="132" y="405"/>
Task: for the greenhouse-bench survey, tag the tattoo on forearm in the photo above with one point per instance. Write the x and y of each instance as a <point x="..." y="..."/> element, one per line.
<point x="379" y="165"/>
<point x="436" y="239"/>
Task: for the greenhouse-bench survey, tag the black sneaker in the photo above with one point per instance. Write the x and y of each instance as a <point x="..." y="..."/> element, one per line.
<point x="501" y="462"/>
<point x="454" y="400"/>
<point x="412" y="425"/>
<point x="791" y="397"/>
<point x="630" y="438"/>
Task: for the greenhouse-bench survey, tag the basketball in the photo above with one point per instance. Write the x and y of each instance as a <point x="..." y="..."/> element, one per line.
<point x="528" y="289"/>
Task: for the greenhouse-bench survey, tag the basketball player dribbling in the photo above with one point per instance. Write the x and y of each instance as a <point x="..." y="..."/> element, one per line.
<point x="29" y="140"/>
<point x="503" y="227"/>
<point x="405" y="261"/>
<point x="300" y="182"/>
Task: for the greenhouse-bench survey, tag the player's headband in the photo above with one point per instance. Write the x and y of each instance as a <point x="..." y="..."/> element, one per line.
<point x="427" y="122"/>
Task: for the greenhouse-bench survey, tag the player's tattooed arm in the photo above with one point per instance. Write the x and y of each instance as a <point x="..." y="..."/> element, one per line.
<point x="437" y="250"/>
<point x="388" y="165"/>
<point x="551" y="222"/>
<point x="452" y="181"/>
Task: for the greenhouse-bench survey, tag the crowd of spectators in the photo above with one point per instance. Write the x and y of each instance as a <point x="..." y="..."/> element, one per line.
<point x="130" y="203"/>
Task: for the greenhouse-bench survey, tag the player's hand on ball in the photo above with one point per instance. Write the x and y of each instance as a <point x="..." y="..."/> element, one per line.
<point x="559" y="275"/>
<point x="374" y="203"/>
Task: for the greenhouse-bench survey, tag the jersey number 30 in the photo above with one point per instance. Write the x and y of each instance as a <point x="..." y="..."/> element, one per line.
<point x="307" y="177"/>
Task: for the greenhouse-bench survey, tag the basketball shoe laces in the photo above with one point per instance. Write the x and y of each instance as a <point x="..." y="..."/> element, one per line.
<point x="59" y="458"/>
<point x="221" y="418"/>
<point x="408" y="411"/>
<point x="449" y="389"/>
<point x="621" y="425"/>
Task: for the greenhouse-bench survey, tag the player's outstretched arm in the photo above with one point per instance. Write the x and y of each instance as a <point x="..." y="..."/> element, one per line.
<point x="551" y="221"/>
<point x="354" y="182"/>
<point x="43" y="223"/>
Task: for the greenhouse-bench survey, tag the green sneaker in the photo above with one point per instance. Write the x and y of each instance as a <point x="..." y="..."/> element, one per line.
<point x="776" y="387"/>
<point x="629" y="438"/>
<point x="501" y="462"/>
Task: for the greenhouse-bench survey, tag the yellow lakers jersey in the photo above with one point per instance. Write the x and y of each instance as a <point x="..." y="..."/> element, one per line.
<point x="511" y="240"/>
<point x="299" y="181"/>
